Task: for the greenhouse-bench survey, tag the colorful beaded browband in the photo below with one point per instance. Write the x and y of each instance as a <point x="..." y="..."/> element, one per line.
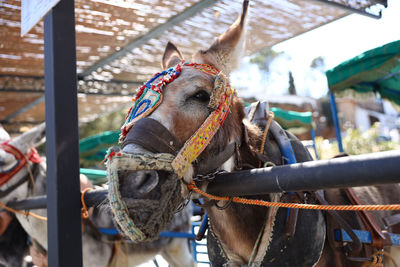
<point x="150" y="96"/>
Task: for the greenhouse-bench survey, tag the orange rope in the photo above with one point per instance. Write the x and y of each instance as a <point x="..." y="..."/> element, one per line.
<point x="84" y="210"/>
<point x="377" y="260"/>
<point x="23" y="212"/>
<point x="85" y="213"/>
<point x="246" y="201"/>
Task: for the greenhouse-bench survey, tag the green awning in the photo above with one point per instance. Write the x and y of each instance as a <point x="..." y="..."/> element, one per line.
<point x="95" y="176"/>
<point x="93" y="148"/>
<point x="297" y="122"/>
<point x="377" y="70"/>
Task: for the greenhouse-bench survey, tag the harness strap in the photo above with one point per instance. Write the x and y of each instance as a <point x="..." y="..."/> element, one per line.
<point x="22" y="159"/>
<point x="34" y="170"/>
<point x="212" y="163"/>
<point x="355" y="246"/>
<point x="391" y="220"/>
<point x="379" y="239"/>
<point x="5" y="177"/>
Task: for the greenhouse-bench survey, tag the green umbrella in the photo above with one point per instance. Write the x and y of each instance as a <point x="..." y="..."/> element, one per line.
<point x="377" y="70"/>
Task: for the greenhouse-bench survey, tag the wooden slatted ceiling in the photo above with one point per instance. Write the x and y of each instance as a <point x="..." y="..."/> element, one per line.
<point x="104" y="26"/>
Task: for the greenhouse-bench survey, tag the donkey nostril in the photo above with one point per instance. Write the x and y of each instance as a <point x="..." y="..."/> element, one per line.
<point x="145" y="181"/>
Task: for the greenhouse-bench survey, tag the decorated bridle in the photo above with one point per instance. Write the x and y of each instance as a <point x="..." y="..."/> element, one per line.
<point x="148" y="98"/>
<point x="22" y="161"/>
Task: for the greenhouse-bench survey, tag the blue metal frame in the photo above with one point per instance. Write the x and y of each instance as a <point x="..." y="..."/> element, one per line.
<point x="336" y="121"/>
<point x="312" y="132"/>
<point x="191" y="236"/>
<point x="364" y="236"/>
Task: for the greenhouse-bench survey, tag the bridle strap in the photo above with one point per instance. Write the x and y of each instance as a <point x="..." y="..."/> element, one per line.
<point x="24" y="179"/>
<point x="22" y="160"/>
<point x="213" y="163"/>
<point x="152" y="136"/>
<point x="5" y="177"/>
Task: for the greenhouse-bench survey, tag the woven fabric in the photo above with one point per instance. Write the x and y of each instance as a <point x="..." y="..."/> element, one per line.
<point x="138" y="218"/>
<point x="149" y="97"/>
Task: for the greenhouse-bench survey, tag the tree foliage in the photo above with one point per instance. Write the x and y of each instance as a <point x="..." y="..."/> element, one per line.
<point x="292" y="87"/>
<point x="109" y="122"/>
<point x="318" y="63"/>
<point x="264" y="58"/>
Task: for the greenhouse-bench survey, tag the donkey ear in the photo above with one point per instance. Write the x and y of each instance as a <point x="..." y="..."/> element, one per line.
<point x="171" y="56"/>
<point x="226" y="51"/>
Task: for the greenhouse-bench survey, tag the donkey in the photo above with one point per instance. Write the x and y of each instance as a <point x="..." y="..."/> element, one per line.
<point x="239" y="235"/>
<point x="235" y="229"/>
<point x="13" y="238"/>
<point x="97" y="250"/>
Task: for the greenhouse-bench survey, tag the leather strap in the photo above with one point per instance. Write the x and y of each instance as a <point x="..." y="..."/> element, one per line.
<point x="153" y="136"/>
<point x="291" y="221"/>
<point x="34" y="170"/>
<point x="212" y="163"/>
<point x="391" y="220"/>
<point x="354" y="247"/>
<point x="379" y="239"/>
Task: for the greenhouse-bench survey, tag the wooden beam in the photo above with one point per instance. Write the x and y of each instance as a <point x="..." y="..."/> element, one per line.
<point x="34" y="103"/>
<point x="153" y="33"/>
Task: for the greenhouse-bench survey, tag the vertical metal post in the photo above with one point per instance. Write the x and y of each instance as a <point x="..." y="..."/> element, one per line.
<point x="314" y="144"/>
<point x="63" y="204"/>
<point x="336" y="120"/>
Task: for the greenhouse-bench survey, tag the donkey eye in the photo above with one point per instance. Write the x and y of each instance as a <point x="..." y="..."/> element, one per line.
<point x="201" y="96"/>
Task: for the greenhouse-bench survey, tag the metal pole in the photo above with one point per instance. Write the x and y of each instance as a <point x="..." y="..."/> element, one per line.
<point x="93" y="198"/>
<point x="352" y="9"/>
<point x="314" y="144"/>
<point x="63" y="205"/>
<point x="336" y="121"/>
<point x="362" y="170"/>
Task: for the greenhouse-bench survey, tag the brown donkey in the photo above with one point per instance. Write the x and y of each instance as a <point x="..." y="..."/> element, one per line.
<point x="234" y="230"/>
<point x="239" y="235"/>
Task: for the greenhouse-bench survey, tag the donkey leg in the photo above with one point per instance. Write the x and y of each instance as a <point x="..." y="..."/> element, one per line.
<point x="177" y="253"/>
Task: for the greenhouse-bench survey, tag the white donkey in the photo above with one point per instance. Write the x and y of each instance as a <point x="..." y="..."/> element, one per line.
<point x="30" y="180"/>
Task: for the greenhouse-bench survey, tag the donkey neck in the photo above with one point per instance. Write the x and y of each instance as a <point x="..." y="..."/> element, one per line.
<point x="238" y="227"/>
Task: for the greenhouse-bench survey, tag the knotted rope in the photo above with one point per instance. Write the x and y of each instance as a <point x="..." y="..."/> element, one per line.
<point x="377" y="259"/>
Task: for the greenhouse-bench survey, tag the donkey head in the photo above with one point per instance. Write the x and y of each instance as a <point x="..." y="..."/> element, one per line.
<point x="196" y="101"/>
<point x="185" y="104"/>
<point x="10" y="161"/>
